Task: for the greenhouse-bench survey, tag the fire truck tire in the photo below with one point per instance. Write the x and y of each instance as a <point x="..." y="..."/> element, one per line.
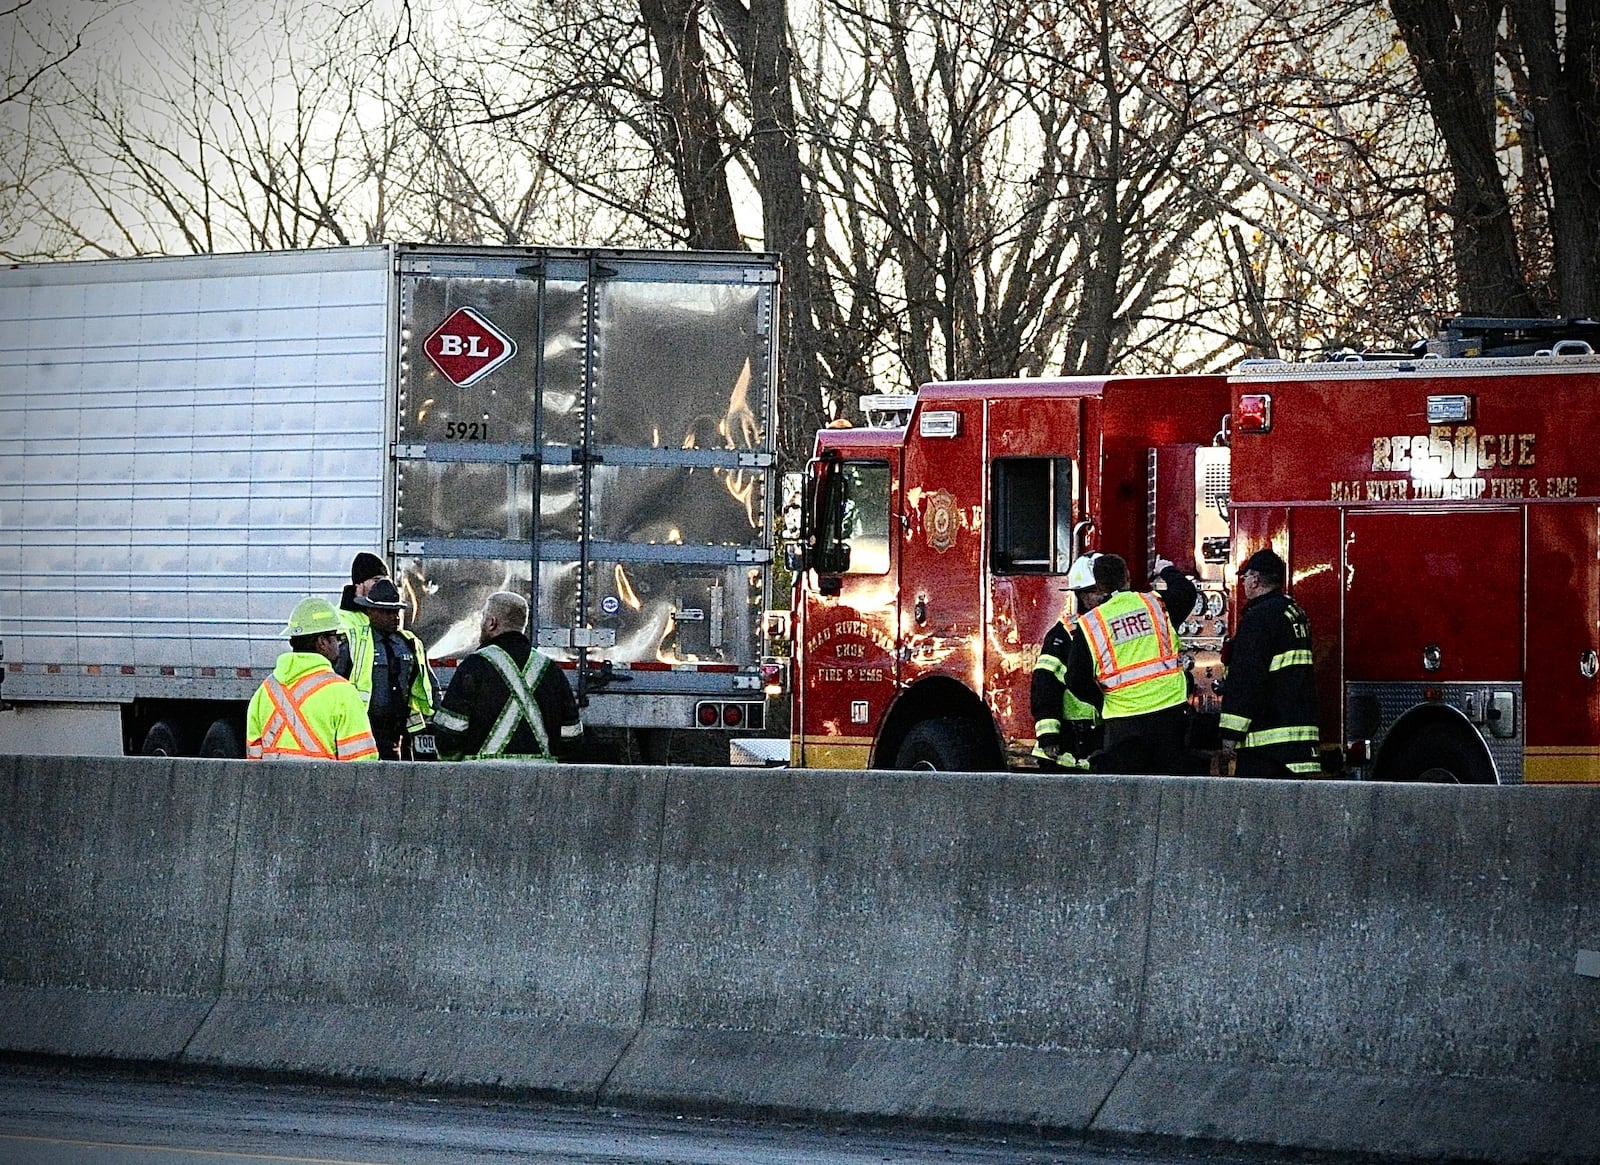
<point x="165" y="738"/>
<point x="222" y="740"/>
<point x="945" y="745"/>
<point x="1437" y="754"/>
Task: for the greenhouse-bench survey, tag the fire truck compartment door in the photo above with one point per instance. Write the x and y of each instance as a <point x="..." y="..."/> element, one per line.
<point x="1425" y="595"/>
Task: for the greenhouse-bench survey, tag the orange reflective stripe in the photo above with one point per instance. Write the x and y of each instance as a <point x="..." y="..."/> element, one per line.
<point x="288" y="717"/>
<point x="1113" y="675"/>
<point x="357" y="746"/>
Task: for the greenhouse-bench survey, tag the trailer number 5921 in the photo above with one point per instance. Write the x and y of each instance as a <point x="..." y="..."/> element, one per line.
<point x="466" y="430"/>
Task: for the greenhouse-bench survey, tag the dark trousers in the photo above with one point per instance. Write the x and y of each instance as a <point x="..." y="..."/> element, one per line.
<point x="1149" y="744"/>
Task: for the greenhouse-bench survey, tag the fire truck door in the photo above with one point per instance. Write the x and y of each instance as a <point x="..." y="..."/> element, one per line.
<point x="848" y="659"/>
<point x="1433" y="597"/>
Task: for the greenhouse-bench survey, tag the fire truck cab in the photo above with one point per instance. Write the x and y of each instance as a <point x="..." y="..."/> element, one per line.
<point x="1438" y="510"/>
<point x="934" y="552"/>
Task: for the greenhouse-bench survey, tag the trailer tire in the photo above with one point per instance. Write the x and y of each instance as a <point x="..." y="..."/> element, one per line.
<point x="1436" y="754"/>
<point x="222" y="741"/>
<point x="946" y="745"/>
<point x="165" y="738"/>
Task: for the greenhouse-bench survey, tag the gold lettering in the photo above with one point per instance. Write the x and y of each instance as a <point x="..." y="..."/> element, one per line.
<point x="1525" y="448"/>
<point x="1466" y="445"/>
<point x="1380" y="454"/>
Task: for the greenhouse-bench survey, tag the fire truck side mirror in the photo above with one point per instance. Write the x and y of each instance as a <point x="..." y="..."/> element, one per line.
<point x="833" y="558"/>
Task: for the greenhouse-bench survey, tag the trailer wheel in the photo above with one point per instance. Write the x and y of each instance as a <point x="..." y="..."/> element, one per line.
<point x="165" y="738"/>
<point x="946" y="745"/>
<point x="1445" y="754"/>
<point x="222" y="741"/>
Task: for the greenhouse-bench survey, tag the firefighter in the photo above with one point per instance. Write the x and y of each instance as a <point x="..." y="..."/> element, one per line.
<point x="1269" y="696"/>
<point x="1066" y="728"/>
<point x="389" y="667"/>
<point x="305" y="710"/>
<point x="507" y="700"/>
<point x="1125" y="659"/>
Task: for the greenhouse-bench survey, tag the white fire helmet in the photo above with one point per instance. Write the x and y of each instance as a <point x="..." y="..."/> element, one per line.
<point x="1081" y="576"/>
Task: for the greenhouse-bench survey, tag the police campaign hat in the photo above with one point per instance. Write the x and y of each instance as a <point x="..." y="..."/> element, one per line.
<point x="384" y="596"/>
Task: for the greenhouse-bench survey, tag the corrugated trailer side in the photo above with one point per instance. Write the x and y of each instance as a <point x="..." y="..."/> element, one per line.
<point x="187" y="445"/>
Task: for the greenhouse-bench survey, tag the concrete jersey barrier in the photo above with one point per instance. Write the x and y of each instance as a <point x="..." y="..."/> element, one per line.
<point x="1352" y="968"/>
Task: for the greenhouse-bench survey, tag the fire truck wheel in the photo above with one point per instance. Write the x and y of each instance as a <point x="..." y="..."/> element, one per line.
<point x="165" y="738"/>
<point x="222" y="740"/>
<point x="1436" y="754"/>
<point x="945" y="745"/>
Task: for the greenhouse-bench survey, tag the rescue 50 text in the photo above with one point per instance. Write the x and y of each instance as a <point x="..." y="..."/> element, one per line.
<point x="1451" y="451"/>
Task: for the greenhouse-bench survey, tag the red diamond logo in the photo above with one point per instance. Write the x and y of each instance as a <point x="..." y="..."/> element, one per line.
<point x="467" y="347"/>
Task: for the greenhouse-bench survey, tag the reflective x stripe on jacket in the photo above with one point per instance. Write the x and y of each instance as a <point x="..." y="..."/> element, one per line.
<point x="520" y="704"/>
<point x="290" y="733"/>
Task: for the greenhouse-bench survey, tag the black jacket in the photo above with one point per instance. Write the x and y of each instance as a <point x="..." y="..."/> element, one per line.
<point x="478" y="694"/>
<point x="1269" y="693"/>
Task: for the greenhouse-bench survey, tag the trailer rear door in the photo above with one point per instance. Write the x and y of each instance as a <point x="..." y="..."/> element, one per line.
<point x="602" y="420"/>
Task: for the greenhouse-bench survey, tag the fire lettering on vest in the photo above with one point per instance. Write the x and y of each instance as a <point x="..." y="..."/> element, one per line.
<point x="1130" y="626"/>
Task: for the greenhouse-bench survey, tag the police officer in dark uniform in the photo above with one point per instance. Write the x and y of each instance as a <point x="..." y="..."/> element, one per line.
<point x="389" y="666"/>
<point x="1269" y="696"/>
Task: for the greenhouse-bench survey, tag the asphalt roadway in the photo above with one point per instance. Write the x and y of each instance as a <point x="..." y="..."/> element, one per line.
<point x="63" y="1116"/>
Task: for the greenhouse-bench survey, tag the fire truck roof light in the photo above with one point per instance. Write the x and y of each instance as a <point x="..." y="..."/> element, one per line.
<point x="1254" y="414"/>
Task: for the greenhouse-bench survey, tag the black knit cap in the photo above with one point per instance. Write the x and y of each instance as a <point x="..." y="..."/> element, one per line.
<point x="367" y="566"/>
<point x="1267" y="564"/>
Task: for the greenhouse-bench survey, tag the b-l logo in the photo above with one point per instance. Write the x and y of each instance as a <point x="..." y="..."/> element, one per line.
<point x="467" y="347"/>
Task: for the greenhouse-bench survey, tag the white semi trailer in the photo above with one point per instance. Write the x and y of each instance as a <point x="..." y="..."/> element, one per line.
<point x="188" y="445"/>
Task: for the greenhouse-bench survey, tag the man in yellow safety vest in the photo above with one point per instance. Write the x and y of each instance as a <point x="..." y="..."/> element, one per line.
<point x="1125" y="658"/>
<point x="304" y="710"/>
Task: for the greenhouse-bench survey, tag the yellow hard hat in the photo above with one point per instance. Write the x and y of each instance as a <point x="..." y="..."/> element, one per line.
<point x="312" y="615"/>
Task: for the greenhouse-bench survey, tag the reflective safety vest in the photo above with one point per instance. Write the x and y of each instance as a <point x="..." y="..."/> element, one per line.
<point x="1136" y="657"/>
<point x="363" y="649"/>
<point x="304" y="711"/>
<point x="520" y="703"/>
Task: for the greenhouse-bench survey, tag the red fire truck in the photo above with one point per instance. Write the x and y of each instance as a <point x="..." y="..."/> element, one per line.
<point x="1439" y="511"/>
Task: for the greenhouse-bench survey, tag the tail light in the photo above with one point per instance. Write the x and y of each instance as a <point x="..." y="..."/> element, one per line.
<point x="720" y="714"/>
<point x="772" y="676"/>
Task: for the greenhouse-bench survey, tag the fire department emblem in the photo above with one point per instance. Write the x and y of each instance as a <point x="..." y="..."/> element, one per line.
<point x="467" y="347"/>
<point x="942" y="521"/>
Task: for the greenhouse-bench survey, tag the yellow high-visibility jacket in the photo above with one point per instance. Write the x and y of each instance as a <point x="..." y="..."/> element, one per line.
<point x="1137" y="660"/>
<point x="305" y="711"/>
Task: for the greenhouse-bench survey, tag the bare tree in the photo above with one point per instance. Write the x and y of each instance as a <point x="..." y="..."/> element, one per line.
<point x="1514" y="89"/>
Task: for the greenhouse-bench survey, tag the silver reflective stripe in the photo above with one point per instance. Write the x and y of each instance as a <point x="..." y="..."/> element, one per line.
<point x="445" y="718"/>
<point x="520" y="705"/>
